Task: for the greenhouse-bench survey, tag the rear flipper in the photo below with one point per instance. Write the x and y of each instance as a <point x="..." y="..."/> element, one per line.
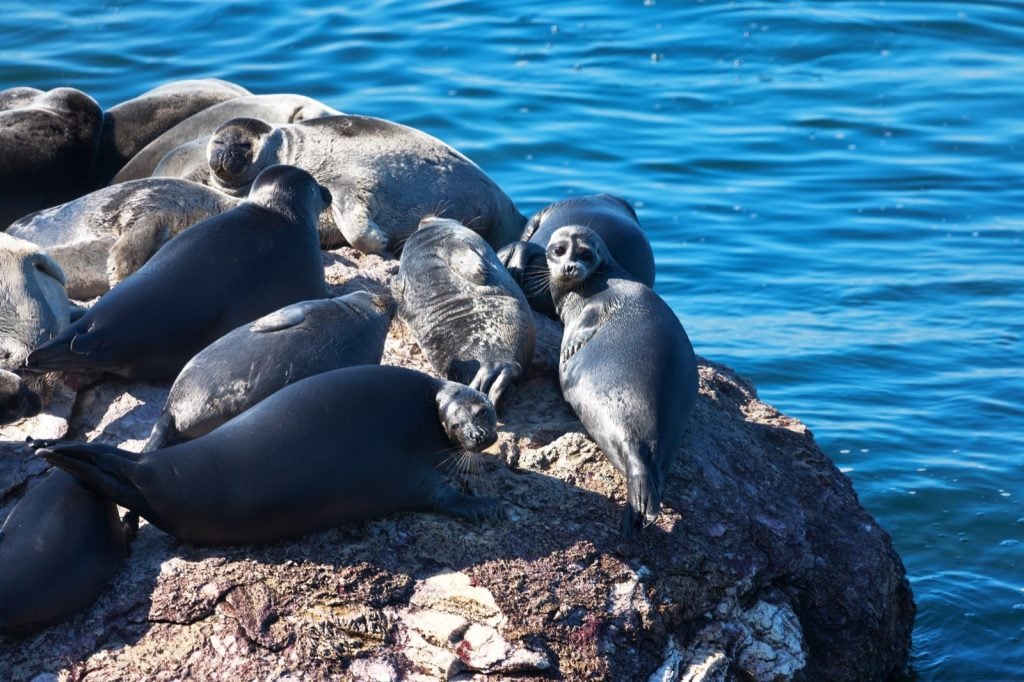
<point x="164" y="432"/>
<point x="643" y="492"/>
<point x="447" y="500"/>
<point x="104" y="469"/>
<point x="494" y="379"/>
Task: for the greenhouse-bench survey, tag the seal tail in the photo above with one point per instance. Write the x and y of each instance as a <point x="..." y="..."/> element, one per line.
<point x="104" y="469"/>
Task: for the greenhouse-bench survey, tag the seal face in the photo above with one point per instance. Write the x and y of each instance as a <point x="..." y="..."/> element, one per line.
<point x="633" y="404"/>
<point x="253" y="361"/>
<point x="338" y="457"/>
<point x="59" y="548"/>
<point x="466" y="312"/>
<point x="229" y="269"/>
<point x="611" y="217"/>
<point x="101" y="238"/>
<point x="384" y="176"/>
<point x="48" y="146"/>
<point x="17" y="400"/>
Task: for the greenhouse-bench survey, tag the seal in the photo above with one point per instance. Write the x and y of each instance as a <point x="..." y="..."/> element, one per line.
<point x="626" y="366"/>
<point x="17" y="400"/>
<point x="465" y="311"/>
<point x="341" y="446"/>
<point x="59" y="549"/>
<point x="611" y="217"/>
<point x="282" y="108"/>
<point x="48" y="145"/>
<point x="101" y="238"/>
<point x="225" y="271"/>
<point x="386" y="177"/>
<point x="248" y="364"/>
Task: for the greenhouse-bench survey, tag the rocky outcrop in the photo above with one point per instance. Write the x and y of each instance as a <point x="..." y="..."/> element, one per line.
<point x="763" y="565"/>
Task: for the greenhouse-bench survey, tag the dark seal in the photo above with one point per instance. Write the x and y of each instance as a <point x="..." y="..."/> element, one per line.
<point x="626" y="367"/>
<point x="341" y="446"/>
<point x="465" y="311"/>
<point x="227" y="270"/>
<point x="248" y="364"/>
<point x="611" y="217"/>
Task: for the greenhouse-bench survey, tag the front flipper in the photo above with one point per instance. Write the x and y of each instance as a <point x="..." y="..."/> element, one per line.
<point x="352" y="217"/>
<point x="447" y="500"/>
<point x="494" y="379"/>
<point x="583" y="329"/>
<point x="285" y="318"/>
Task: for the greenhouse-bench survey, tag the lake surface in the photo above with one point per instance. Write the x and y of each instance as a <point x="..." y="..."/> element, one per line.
<point x="834" y="191"/>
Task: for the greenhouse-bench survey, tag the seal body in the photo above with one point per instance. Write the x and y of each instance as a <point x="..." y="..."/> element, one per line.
<point x="59" y="549"/>
<point x="467" y="314"/>
<point x="48" y="147"/>
<point x="101" y="238"/>
<point x="341" y="446"/>
<point x="229" y="269"/>
<point x="253" y="361"/>
<point x="611" y="217"/>
<point x="385" y="176"/>
<point x="131" y="125"/>
<point x="278" y="108"/>
<point x="626" y="366"/>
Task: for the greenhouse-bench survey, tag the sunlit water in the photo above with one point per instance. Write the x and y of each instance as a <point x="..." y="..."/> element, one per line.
<point x="834" y="191"/>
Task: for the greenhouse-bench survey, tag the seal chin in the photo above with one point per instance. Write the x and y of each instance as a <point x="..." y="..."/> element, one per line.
<point x="475" y="438"/>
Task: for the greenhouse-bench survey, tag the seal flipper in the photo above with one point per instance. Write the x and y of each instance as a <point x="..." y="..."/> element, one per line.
<point x="494" y="379"/>
<point x="71" y="350"/>
<point x="164" y="431"/>
<point x="102" y="468"/>
<point x="445" y="499"/>
<point x="643" y="490"/>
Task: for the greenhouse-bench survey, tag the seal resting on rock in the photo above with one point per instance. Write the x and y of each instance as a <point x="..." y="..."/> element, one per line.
<point x="626" y="366"/>
<point x="341" y="446"/>
<point x="59" y="548"/>
<point x="385" y="176"/>
<point x="248" y="364"/>
<point x="17" y="400"/>
<point x="48" y="145"/>
<point x="611" y="217"/>
<point x="101" y="238"/>
<point x="227" y="270"/>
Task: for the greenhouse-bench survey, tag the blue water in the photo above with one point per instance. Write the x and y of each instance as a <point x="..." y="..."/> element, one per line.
<point x="834" y="190"/>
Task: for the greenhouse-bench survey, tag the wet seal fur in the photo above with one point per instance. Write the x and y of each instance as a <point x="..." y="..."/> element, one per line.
<point x="611" y="217"/>
<point x="385" y="177"/>
<point x="103" y="237"/>
<point x="341" y="446"/>
<point x="229" y="269"/>
<point x="253" y="361"/>
<point x="48" y="147"/>
<point x="465" y="311"/>
<point x="59" y="549"/>
<point x="627" y="367"/>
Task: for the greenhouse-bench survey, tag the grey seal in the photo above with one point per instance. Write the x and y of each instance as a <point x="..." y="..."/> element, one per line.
<point x="465" y="311"/>
<point x="17" y="399"/>
<point x="282" y="108"/>
<point x="611" y="217"/>
<point x="229" y="269"/>
<point x="341" y="446"/>
<point x="253" y="361"/>
<point x="48" y="147"/>
<point x="385" y="176"/>
<point x="134" y="123"/>
<point x="626" y="366"/>
<point x="59" y="549"/>
<point x="101" y="238"/>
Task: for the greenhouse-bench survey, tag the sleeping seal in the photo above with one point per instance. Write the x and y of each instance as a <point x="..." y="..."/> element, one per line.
<point x="345" y="445"/>
<point x="611" y="217"/>
<point x="17" y="400"/>
<point x="101" y="238"/>
<point x="246" y="365"/>
<point x="277" y="108"/>
<point x="626" y="366"/>
<point x="385" y="176"/>
<point x="229" y="269"/>
<point x="59" y="548"/>
<point x="466" y="312"/>
<point x="48" y="146"/>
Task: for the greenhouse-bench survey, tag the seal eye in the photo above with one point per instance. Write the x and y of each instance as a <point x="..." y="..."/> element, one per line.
<point x="558" y="249"/>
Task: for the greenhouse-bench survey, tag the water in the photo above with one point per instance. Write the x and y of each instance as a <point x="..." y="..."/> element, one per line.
<point x="834" y="192"/>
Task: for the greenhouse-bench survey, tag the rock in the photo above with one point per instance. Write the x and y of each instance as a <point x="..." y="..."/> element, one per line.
<point x="763" y="565"/>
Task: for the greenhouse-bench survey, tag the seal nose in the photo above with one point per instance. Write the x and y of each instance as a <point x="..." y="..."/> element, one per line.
<point x="570" y="270"/>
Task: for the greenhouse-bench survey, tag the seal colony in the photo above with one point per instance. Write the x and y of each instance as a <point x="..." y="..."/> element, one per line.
<point x="281" y="421"/>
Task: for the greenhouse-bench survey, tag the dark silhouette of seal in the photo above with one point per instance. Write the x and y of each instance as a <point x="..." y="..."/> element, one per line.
<point x="133" y="124"/>
<point x="626" y="366"/>
<point x="59" y="549"/>
<point x="341" y="446"/>
<point x="227" y="270"/>
<point x="248" y="364"/>
<point x="48" y="146"/>
<point x="611" y="217"/>
<point x="465" y="311"/>
<point x="386" y="177"/>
